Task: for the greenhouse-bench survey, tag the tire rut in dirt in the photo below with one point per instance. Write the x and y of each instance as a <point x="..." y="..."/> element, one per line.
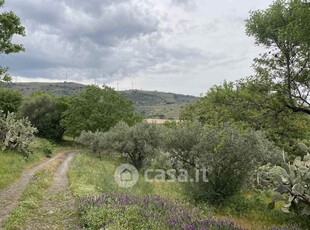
<point x="9" y="196"/>
<point x="58" y="210"/>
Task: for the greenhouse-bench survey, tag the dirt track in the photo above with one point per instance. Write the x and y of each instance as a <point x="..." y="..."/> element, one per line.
<point x="10" y="195"/>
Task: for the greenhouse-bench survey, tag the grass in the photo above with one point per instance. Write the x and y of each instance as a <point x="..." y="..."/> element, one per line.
<point x="39" y="205"/>
<point x="30" y="200"/>
<point x="92" y="176"/>
<point x="89" y="175"/>
<point x="13" y="163"/>
<point x="250" y="209"/>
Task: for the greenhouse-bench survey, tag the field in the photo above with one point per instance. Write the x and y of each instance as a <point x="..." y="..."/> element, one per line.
<point x="248" y="210"/>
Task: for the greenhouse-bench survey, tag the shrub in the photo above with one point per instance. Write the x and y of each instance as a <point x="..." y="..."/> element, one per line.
<point x="294" y="180"/>
<point x="95" y="141"/>
<point x="181" y="142"/>
<point x="47" y="147"/>
<point x="122" y="211"/>
<point x="16" y="134"/>
<point x="137" y="143"/>
<point x="228" y="154"/>
<point x="10" y="100"/>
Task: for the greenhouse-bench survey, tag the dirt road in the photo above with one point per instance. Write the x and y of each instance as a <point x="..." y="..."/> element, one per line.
<point x="9" y="196"/>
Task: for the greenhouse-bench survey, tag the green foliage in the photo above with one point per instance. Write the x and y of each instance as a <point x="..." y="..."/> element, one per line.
<point x="97" y="109"/>
<point x="249" y="103"/>
<point x="226" y="153"/>
<point x="181" y="143"/>
<point x="294" y="181"/>
<point x="89" y="176"/>
<point x="9" y="26"/>
<point x="16" y="134"/>
<point x="47" y="148"/>
<point x="96" y="141"/>
<point x="10" y="100"/>
<point x="138" y="143"/>
<point x="44" y="111"/>
<point x="283" y="30"/>
<point x="261" y="178"/>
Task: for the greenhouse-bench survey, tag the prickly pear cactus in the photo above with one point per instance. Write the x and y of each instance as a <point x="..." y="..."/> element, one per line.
<point x="294" y="185"/>
<point x="15" y="134"/>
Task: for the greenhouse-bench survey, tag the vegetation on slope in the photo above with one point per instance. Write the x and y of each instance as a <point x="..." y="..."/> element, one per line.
<point x="150" y="104"/>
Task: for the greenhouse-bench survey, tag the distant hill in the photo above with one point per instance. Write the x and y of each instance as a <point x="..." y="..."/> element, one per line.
<point x="152" y="98"/>
<point x="59" y="89"/>
<point x="154" y="104"/>
<point x="150" y="104"/>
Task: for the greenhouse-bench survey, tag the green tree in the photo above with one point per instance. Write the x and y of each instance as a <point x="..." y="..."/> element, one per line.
<point x="249" y="103"/>
<point x="10" y="100"/>
<point x="9" y="26"/>
<point x="44" y="112"/>
<point x="99" y="109"/>
<point x="283" y="29"/>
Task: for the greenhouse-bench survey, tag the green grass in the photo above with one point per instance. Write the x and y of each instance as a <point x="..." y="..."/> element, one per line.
<point x="13" y="163"/>
<point x="90" y="176"/>
<point x="30" y="200"/>
<point x="31" y="208"/>
<point x="250" y="209"/>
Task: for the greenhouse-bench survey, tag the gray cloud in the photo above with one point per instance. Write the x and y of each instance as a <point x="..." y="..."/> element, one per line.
<point x="113" y="40"/>
<point x="109" y="38"/>
<point x="185" y="3"/>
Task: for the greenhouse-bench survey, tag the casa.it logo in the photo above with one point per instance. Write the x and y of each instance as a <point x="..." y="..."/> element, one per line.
<point x="126" y="175"/>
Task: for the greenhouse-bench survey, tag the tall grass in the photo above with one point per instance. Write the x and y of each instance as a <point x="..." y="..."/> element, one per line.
<point x="12" y="163"/>
<point x="90" y="176"/>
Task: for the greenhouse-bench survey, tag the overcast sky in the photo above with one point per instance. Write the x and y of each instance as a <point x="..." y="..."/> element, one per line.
<point x="181" y="46"/>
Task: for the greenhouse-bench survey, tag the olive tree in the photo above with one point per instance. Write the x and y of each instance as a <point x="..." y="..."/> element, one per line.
<point x="227" y="154"/>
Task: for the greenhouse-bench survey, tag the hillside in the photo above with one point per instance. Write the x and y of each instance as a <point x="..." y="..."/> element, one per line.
<point x="150" y="104"/>
<point x="152" y="98"/>
<point x="59" y="89"/>
<point x="154" y="104"/>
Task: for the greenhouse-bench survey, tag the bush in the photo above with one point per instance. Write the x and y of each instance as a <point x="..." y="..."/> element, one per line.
<point x="16" y="134"/>
<point x="95" y="141"/>
<point x="294" y="180"/>
<point x="47" y="148"/>
<point x="137" y="143"/>
<point x="228" y="155"/>
<point x="122" y="211"/>
<point x="44" y="111"/>
<point x="10" y="100"/>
